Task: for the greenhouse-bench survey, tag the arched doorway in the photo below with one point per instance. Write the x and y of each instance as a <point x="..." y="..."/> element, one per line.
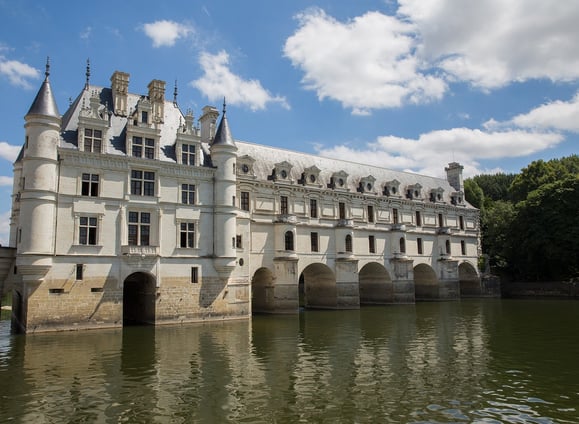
<point x="375" y="284"/>
<point x="319" y="287"/>
<point x="469" y="281"/>
<point x="425" y="283"/>
<point x="139" y="296"/>
<point x="262" y="291"/>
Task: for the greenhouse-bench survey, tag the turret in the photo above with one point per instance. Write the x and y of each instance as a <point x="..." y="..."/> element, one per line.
<point x="224" y="156"/>
<point x="39" y="176"/>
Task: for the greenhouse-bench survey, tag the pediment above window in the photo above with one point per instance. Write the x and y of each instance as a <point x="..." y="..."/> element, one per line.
<point x="282" y="172"/>
<point x="414" y="192"/>
<point x="437" y="195"/>
<point x="311" y="176"/>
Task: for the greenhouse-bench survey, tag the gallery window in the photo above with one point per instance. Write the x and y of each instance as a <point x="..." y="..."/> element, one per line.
<point x="142" y="183"/>
<point x="314" y="242"/>
<point x="348" y="242"/>
<point x="395" y="216"/>
<point x="419" y="245"/>
<point x="283" y="206"/>
<point x="371" y="244"/>
<point x="447" y="247"/>
<point x="289" y="240"/>
<point x="313" y="208"/>
<point x="244" y="200"/>
<point x="90" y="185"/>
<point x="88" y="230"/>
<point x="342" y="210"/>
<point x="194" y="274"/>
<point x="461" y="222"/>
<point x="370" y="213"/>
<point x="402" y="245"/>
<point x="418" y="219"/>
<point x="462" y="247"/>
<point x="79" y="272"/>
<point x="139" y="228"/>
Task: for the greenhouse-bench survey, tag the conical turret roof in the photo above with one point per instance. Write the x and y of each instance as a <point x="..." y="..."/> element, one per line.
<point x="223" y="135"/>
<point x="44" y="103"/>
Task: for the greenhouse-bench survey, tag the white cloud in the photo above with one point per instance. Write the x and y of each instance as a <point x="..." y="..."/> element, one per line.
<point x="493" y="42"/>
<point x="425" y="154"/>
<point x="556" y="115"/>
<point x="218" y="82"/>
<point x="8" y="151"/>
<point x="165" y="33"/>
<point x="377" y="61"/>
<point x="18" y="73"/>
<point x="85" y="34"/>
<point x="367" y="63"/>
<point x="5" y="181"/>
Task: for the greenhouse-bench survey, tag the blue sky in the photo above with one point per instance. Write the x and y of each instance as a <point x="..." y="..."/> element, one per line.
<point x="408" y="84"/>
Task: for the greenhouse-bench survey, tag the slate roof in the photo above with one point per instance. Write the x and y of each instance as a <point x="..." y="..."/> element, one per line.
<point x="265" y="157"/>
<point x="44" y="103"/>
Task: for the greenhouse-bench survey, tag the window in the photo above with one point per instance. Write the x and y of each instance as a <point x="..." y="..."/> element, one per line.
<point x="187" y="234"/>
<point x="188" y="194"/>
<point x="342" y="210"/>
<point x="314" y="242"/>
<point x="447" y="247"/>
<point x="284" y="206"/>
<point x="461" y="222"/>
<point x="402" y="245"/>
<point x="289" y="240"/>
<point x="462" y="247"/>
<point x="139" y="228"/>
<point x="143" y="148"/>
<point x="92" y="140"/>
<point x="79" y="273"/>
<point x="313" y="208"/>
<point x="245" y="200"/>
<point x="188" y="154"/>
<point x="440" y="220"/>
<point x="348" y="243"/>
<point x="145" y="117"/>
<point x="419" y="245"/>
<point x="238" y="242"/>
<point x="194" y="275"/>
<point x="90" y="185"/>
<point x="371" y="244"/>
<point x="395" y="216"/>
<point x="418" y="219"/>
<point x="370" y="213"/>
<point x="87" y="233"/>
<point x="143" y="183"/>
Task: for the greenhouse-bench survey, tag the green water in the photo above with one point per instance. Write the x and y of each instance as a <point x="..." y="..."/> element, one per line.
<point x="487" y="361"/>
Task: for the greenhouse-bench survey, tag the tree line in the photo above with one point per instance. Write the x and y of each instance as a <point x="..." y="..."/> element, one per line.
<point x="530" y="220"/>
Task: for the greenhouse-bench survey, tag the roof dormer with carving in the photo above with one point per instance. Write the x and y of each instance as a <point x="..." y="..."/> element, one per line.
<point x="366" y="185"/>
<point x="339" y="181"/>
<point x="282" y="172"/>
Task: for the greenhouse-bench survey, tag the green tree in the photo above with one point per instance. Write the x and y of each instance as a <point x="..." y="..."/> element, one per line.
<point x="496" y="222"/>
<point x="473" y="193"/>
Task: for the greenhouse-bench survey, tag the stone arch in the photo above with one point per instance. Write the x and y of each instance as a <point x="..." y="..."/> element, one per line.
<point x="262" y="291"/>
<point x="426" y="286"/>
<point x="469" y="280"/>
<point x="319" y="287"/>
<point x="375" y="284"/>
<point x="139" y="299"/>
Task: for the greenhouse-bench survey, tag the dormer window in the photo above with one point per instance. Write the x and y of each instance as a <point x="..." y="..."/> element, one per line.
<point x="145" y="117"/>
<point x="391" y="188"/>
<point x="367" y="184"/>
<point x="437" y="195"/>
<point x="311" y="175"/>
<point x="92" y="140"/>
<point x="414" y="192"/>
<point x="93" y="122"/>
<point x="281" y="172"/>
<point x="339" y="181"/>
<point x="457" y="198"/>
<point x="245" y="166"/>
<point x="143" y="148"/>
<point x="188" y="154"/>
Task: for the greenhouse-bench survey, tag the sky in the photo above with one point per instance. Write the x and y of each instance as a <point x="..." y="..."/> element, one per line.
<point x="409" y="85"/>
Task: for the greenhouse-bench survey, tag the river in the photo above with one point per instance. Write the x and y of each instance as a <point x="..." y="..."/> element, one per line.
<point x="469" y="361"/>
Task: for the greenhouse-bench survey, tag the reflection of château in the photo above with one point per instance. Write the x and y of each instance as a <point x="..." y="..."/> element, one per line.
<point x="124" y="211"/>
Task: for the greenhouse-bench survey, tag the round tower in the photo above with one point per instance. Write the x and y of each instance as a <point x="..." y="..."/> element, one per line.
<point x="39" y="175"/>
<point x="224" y="157"/>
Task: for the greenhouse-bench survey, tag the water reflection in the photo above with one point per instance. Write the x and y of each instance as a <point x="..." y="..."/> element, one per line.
<point x="469" y="361"/>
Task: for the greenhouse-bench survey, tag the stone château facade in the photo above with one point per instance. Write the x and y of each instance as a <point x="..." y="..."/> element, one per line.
<point x="125" y="210"/>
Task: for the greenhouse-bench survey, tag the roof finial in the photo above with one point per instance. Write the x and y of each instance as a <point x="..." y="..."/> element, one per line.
<point x="175" y="93"/>
<point x="86" y="85"/>
<point x="224" y="105"/>
<point x="47" y="71"/>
